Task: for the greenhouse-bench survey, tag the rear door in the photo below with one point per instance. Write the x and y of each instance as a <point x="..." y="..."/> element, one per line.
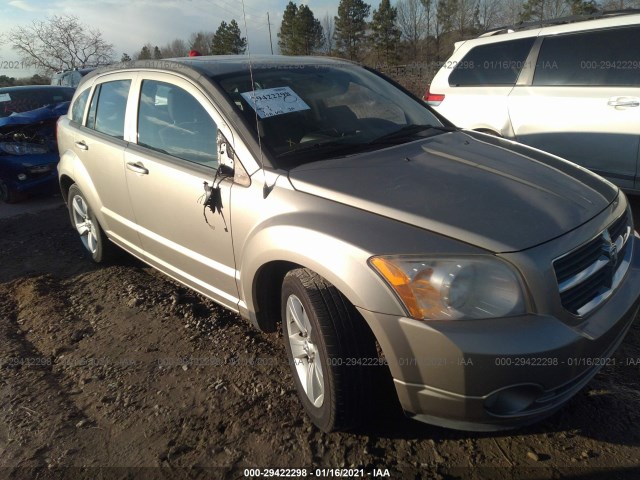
<point x="583" y="102"/>
<point x="100" y="145"/>
<point x="478" y="87"/>
<point x="178" y="135"/>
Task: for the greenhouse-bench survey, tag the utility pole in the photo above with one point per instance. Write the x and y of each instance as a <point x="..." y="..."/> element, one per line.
<point x="270" y="41"/>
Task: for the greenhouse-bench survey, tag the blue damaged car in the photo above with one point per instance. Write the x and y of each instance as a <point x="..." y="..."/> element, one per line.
<point x="28" y="147"/>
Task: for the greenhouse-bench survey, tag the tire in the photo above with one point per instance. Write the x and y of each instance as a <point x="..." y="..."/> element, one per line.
<point x="9" y="196"/>
<point x="324" y="337"/>
<point x="95" y="242"/>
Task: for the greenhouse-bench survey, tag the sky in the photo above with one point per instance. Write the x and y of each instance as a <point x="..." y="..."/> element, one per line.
<point x="129" y="24"/>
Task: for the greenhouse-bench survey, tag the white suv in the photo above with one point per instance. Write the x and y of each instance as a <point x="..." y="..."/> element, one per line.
<point x="572" y="89"/>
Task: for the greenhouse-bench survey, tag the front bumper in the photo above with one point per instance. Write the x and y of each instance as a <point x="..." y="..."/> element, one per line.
<point x="502" y="373"/>
<point x="40" y="183"/>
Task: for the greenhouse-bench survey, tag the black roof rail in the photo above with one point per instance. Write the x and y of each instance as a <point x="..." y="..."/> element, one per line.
<point x="559" y="21"/>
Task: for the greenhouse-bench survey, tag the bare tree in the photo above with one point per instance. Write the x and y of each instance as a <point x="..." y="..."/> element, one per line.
<point x="508" y="13"/>
<point x="328" y="28"/>
<point x="533" y="10"/>
<point x="465" y="17"/>
<point x="174" y="49"/>
<point x="60" y="42"/>
<point x="201" y="42"/>
<point x="486" y="13"/>
<point x="412" y="20"/>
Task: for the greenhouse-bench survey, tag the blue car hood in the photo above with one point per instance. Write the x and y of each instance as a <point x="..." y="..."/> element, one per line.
<point x="34" y="116"/>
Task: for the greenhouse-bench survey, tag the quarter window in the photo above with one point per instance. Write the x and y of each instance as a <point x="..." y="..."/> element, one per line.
<point x="172" y="121"/>
<point x="77" y="111"/>
<point x="494" y="64"/>
<point x="110" y="102"/>
<point x="605" y="57"/>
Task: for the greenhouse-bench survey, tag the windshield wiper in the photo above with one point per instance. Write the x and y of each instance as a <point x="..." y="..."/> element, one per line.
<point x="408" y="131"/>
<point x="324" y="148"/>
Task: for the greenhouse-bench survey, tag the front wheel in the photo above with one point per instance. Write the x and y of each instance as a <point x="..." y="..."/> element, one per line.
<point x="9" y="196"/>
<point x="331" y="351"/>
<point x="95" y="242"/>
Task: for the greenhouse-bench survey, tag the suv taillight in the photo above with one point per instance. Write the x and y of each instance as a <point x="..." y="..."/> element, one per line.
<point x="433" y="99"/>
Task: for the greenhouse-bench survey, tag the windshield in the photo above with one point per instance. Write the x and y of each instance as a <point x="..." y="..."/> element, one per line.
<point x="25" y="100"/>
<point x="306" y="113"/>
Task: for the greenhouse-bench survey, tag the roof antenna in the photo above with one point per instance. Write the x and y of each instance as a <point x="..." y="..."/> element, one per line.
<point x="266" y="189"/>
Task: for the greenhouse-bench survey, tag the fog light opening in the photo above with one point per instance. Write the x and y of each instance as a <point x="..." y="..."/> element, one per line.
<point x="512" y="400"/>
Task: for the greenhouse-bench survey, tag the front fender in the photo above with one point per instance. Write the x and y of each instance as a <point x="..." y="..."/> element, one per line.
<point x="342" y="263"/>
<point x="332" y="239"/>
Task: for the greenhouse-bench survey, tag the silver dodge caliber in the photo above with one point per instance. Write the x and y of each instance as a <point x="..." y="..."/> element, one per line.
<point x="490" y="279"/>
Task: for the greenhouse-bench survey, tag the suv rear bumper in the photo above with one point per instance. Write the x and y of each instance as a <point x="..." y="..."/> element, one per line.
<point x="502" y="373"/>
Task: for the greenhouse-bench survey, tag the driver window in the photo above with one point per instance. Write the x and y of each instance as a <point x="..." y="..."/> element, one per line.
<point x="172" y="121"/>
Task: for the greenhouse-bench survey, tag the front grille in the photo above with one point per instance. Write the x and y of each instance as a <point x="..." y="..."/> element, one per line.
<point x="589" y="274"/>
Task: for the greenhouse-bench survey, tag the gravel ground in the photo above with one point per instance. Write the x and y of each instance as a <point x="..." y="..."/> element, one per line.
<point x="112" y="372"/>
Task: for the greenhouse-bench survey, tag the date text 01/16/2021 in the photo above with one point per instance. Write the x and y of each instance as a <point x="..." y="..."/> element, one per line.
<point x="317" y="472"/>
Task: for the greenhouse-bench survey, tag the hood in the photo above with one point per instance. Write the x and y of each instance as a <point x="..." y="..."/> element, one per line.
<point x="488" y="192"/>
<point x="47" y="112"/>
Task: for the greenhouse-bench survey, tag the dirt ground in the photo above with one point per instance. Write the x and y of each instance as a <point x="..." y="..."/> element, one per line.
<point x="111" y="372"/>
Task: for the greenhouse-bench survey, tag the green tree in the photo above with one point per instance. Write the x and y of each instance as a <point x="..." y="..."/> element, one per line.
<point x="157" y="54"/>
<point x="228" y="40"/>
<point x="300" y="32"/>
<point x="125" y="58"/>
<point x="309" y="30"/>
<point x="7" y="81"/>
<point x="351" y="26"/>
<point x="581" y="7"/>
<point x="385" y="34"/>
<point x="145" y="53"/>
<point x="287" y="40"/>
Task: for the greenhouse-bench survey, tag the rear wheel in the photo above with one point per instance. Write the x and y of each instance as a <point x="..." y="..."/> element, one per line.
<point x="331" y="351"/>
<point x="95" y="242"/>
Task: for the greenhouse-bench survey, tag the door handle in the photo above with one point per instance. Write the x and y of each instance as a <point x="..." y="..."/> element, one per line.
<point x="81" y="145"/>
<point x="624" y="102"/>
<point x="138" y="168"/>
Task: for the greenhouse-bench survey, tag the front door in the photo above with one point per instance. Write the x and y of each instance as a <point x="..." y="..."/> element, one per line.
<point x="175" y="156"/>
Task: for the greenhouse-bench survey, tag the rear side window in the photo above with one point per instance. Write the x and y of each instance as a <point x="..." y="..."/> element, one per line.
<point x="77" y="111"/>
<point x="110" y="102"/>
<point x="494" y="64"/>
<point x="605" y="57"/>
<point x="172" y="121"/>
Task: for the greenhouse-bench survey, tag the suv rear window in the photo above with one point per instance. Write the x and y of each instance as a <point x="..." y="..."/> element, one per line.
<point x="494" y="64"/>
<point x="605" y="57"/>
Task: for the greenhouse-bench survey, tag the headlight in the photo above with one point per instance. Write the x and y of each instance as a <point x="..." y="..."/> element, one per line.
<point x="453" y="288"/>
<point x="23" y="148"/>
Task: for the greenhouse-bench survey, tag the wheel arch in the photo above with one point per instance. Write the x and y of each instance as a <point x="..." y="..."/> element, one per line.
<point x="341" y="264"/>
<point x="65" y="182"/>
<point x="266" y="292"/>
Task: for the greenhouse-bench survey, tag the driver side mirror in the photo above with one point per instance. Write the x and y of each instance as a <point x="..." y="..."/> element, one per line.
<point x="227" y="164"/>
<point x="225" y="153"/>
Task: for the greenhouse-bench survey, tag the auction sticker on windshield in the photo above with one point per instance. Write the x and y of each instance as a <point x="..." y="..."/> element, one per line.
<point x="274" y="101"/>
<point x="5" y="97"/>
